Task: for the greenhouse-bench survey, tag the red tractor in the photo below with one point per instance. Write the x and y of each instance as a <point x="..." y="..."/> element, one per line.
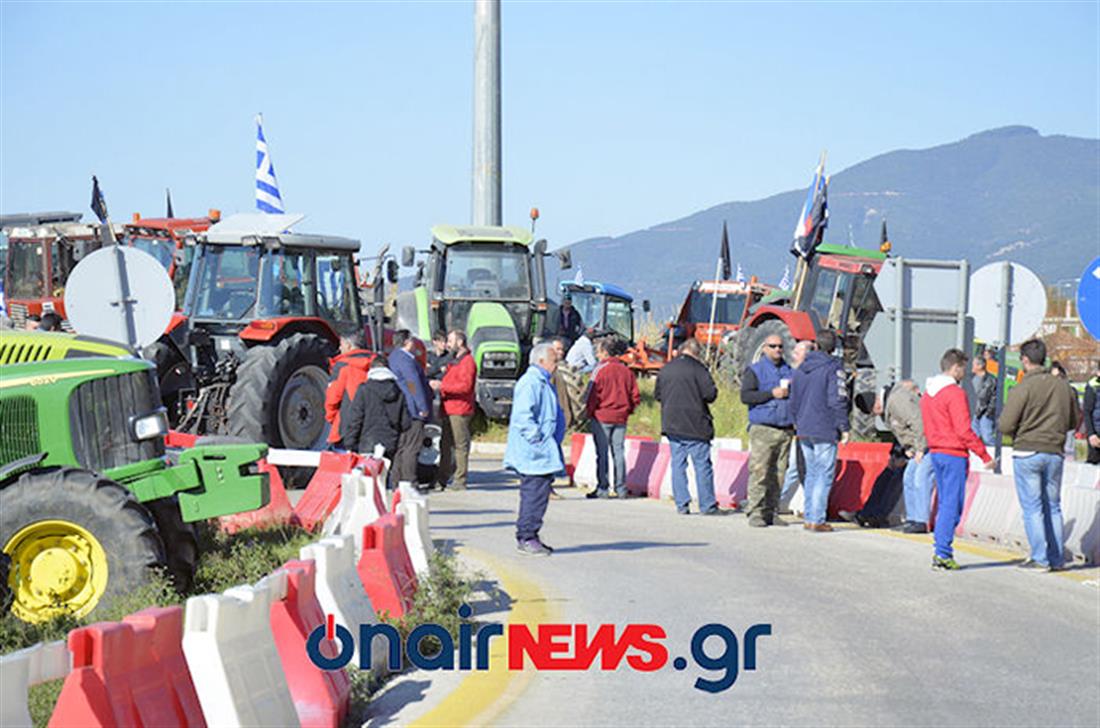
<point x="165" y="238"/>
<point x="730" y="301"/>
<point x="43" y="248"/>
<point x="248" y="354"/>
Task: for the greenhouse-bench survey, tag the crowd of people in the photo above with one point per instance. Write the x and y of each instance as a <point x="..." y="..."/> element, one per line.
<point x="798" y="414"/>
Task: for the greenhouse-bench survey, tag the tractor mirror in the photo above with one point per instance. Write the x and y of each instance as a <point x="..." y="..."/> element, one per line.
<point x="540" y="246"/>
<point x="565" y="259"/>
<point x="391" y="270"/>
<point x="408" y="255"/>
<point x="645" y="305"/>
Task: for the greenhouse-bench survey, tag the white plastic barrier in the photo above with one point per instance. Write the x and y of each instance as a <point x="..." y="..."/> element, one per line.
<point x="1081" y="520"/>
<point x="1081" y="475"/>
<point x="357" y="507"/>
<point x="991" y="511"/>
<point x="232" y="656"/>
<point x="418" y="539"/>
<point x="340" y="592"/>
<point x="585" y="473"/>
<point x="20" y="670"/>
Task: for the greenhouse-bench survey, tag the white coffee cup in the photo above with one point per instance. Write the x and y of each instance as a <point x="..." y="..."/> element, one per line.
<point x="785" y="383"/>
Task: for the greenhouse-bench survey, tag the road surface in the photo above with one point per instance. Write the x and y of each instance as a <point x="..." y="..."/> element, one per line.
<point x="863" y="632"/>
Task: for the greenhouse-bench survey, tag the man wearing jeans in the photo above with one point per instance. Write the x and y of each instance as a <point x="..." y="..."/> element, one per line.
<point x="1039" y="412"/>
<point x="945" y="415"/>
<point x="685" y="390"/>
<point x="535" y="431"/>
<point x="612" y="398"/>
<point x="984" y="385"/>
<point x="819" y="406"/>
<point x="904" y="418"/>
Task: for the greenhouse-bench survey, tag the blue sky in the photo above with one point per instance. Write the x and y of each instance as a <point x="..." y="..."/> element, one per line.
<point x="617" y="116"/>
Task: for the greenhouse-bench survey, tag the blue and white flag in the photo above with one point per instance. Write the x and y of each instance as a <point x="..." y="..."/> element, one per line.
<point x="740" y="274"/>
<point x="785" y="283"/>
<point x="578" y="279"/>
<point x="267" y="187"/>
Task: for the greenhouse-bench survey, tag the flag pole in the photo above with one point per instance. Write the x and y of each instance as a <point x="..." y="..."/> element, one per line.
<point x="713" y="305"/>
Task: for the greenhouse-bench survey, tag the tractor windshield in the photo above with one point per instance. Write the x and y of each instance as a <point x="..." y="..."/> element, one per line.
<point x="589" y="306"/>
<point x="160" y="248"/>
<point x="487" y="271"/>
<point x="25" y="275"/>
<point x="830" y="290"/>
<point x="224" y="282"/>
<point x="729" y="308"/>
<point x="620" y="318"/>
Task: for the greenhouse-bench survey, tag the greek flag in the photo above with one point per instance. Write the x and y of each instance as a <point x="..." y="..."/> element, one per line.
<point x="267" y="187"/>
<point x="740" y="274"/>
<point x="785" y="283"/>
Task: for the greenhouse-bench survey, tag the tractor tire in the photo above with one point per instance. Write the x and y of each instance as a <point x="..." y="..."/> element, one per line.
<point x="76" y="540"/>
<point x="181" y="542"/>
<point x="173" y="375"/>
<point x="750" y="345"/>
<point x="727" y="364"/>
<point x="279" y="395"/>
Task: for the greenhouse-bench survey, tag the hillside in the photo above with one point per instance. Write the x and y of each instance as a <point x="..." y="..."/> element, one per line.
<point x="1007" y="193"/>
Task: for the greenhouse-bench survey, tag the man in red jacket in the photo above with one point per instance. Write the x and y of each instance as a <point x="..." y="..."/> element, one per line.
<point x="945" y="413"/>
<point x="347" y="371"/>
<point x="458" y="401"/>
<point x="612" y="398"/>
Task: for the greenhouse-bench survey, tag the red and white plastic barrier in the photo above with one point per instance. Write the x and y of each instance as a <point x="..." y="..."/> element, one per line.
<point x="340" y="592"/>
<point x="384" y="566"/>
<point x="418" y="539"/>
<point x="361" y="503"/>
<point x="232" y="655"/>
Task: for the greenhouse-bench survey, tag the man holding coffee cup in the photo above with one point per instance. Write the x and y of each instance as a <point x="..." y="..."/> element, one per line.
<point x="765" y="388"/>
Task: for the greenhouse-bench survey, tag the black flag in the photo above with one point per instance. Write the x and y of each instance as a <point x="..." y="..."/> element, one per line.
<point x="168" y="202"/>
<point x="883" y="239"/>
<point x="725" y="254"/>
<point x="99" y="205"/>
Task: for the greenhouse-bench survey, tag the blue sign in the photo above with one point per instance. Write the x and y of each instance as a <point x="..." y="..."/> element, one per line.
<point x="1088" y="298"/>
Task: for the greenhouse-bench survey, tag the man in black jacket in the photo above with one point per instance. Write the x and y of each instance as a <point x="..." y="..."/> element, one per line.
<point x="685" y="390"/>
<point x="377" y="415"/>
<point x="1092" y="416"/>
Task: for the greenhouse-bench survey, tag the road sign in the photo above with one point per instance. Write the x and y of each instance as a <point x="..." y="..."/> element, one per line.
<point x="1088" y="298"/>
<point x="122" y="294"/>
<point x="1008" y="303"/>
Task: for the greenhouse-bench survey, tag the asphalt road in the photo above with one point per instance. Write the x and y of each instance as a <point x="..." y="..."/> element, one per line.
<point x="863" y="632"/>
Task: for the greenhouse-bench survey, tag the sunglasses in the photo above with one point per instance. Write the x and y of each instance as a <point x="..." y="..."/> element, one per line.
<point x="774" y="346"/>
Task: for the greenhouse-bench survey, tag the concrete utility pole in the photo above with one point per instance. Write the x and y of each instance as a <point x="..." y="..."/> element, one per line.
<point x="487" y="166"/>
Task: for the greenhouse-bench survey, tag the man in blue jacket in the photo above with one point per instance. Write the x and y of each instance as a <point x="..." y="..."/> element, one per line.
<point x="819" y="406"/>
<point x="414" y="384"/>
<point x="765" y="387"/>
<point x="535" y="432"/>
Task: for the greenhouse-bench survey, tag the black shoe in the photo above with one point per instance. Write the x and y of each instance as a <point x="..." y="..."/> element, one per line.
<point x="533" y="547"/>
<point x="685" y="511"/>
<point x="717" y="512"/>
<point x="598" y="493"/>
<point x="757" y="522"/>
<point x="776" y="521"/>
<point x="914" y="527"/>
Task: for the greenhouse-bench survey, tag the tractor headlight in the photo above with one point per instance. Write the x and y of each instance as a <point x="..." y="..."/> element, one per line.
<point x="147" y="427"/>
<point x="500" y="360"/>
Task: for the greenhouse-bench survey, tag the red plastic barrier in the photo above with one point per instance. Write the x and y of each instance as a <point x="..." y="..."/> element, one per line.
<point x="576" y="444"/>
<point x="179" y="439"/>
<point x="129" y="673"/>
<point x="320" y="696"/>
<point x="323" y="492"/>
<point x="646" y="464"/>
<point x="384" y="566"/>
<point x="277" y="512"/>
<point x="731" y="477"/>
<point x="858" y="465"/>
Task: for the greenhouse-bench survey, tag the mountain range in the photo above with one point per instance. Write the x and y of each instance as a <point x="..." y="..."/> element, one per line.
<point x="1003" y="194"/>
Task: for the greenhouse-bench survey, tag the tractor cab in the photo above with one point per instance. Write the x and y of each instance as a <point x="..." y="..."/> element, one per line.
<point x="730" y="302"/>
<point x="602" y="306"/>
<point x="165" y="238"/>
<point x="489" y="282"/>
<point x="839" y="294"/>
<point x="42" y="251"/>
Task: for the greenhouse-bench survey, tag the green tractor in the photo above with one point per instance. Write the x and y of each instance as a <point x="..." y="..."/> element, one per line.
<point x="491" y="283"/>
<point x="89" y="502"/>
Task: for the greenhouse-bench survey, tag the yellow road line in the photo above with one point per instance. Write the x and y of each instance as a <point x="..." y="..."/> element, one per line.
<point x="482" y="696"/>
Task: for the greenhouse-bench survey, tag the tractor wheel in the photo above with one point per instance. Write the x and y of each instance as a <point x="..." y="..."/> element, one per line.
<point x="76" y="540"/>
<point x="750" y="344"/>
<point x="728" y="370"/>
<point x="279" y="395"/>
<point x="173" y="375"/>
<point x="181" y="543"/>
